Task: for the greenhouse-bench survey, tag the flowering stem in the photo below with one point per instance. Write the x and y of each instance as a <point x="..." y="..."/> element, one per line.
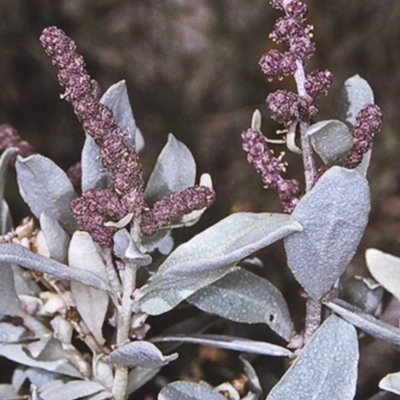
<point x="310" y="171"/>
<point x="123" y="328"/>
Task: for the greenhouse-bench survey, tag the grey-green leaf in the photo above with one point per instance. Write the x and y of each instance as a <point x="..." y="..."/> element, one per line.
<point x="141" y="354"/>
<point x="385" y="268"/>
<point x="139" y="376"/>
<point x="242" y="296"/>
<point x="391" y="383"/>
<point x="116" y="98"/>
<point x="228" y="343"/>
<point x="16" y="254"/>
<point x="331" y="140"/>
<point x="91" y="303"/>
<point x="9" y="302"/>
<point x="188" y="391"/>
<point x="196" y="264"/>
<point x="326" y="368"/>
<point x="75" y="389"/>
<point x="46" y="188"/>
<point x="93" y="173"/>
<point x="175" y="170"/>
<point x="355" y="95"/>
<point x="4" y="211"/>
<point x="366" y="322"/>
<point x="56" y="238"/>
<point x="333" y="215"/>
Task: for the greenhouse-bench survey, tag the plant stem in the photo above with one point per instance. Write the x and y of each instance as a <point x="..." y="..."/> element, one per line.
<point x="313" y="318"/>
<point x="123" y="326"/>
<point x="310" y="171"/>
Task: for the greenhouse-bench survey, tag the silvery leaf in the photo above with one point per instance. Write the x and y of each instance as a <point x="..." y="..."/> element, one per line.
<point x="356" y="94"/>
<point x="93" y="173"/>
<point x="175" y="170"/>
<point x="385" y="268"/>
<point x="326" y="368"/>
<point x="228" y="343"/>
<point x="4" y="165"/>
<point x="9" y="303"/>
<point x="100" y="396"/>
<point x="57" y="239"/>
<point x="91" y="303"/>
<point x="366" y="322"/>
<point x="242" y="296"/>
<point x="41" y="377"/>
<point x="17" y="353"/>
<point x="71" y="390"/>
<point x="139" y="376"/>
<point x="7" y="392"/>
<point x="362" y="292"/>
<point x="126" y="249"/>
<point x="16" y="254"/>
<point x="391" y="383"/>
<point x="331" y="140"/>
<point x="6" y="223"/>
<point x="254" y="382"/>
<point x="141" y="354"/>
<point x="34" y="393"/>
<point x="45" y="187"/>
<point x="333" y="215"/>
<point x="5" y="217"/>
<point x="116" y="98"/>
<point x="195" y="264"/>
<point x="188" y="391"/>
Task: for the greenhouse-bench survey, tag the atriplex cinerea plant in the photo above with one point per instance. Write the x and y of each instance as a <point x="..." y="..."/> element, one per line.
<point x="75" y="294"/>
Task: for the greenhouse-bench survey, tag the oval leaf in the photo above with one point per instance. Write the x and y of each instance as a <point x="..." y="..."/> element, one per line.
<point x="333" y="215"/>
<point x="140" y="354"/>
<point x="366" y="322"/>
<point x="56" y="238"/>
<point x="331" y="140"/>
<point x="385" y="268"/>
<point x="93" y="173"/>
<point x="229" y="343"/>
<point x="355" y="95"/>
<point x="9" y="303"/>
<point x="16" y="254"/>
<point x="116" y="98"/>
<point x="391" y="383"/>
<point x="70" y="390"/>
<point x="91" y="303"/>
<point x="242" y="296"/>
<point x="175" y="170"/>
<point x="188" y="391"/>
<point x="46" y="188"/>
<point x="5" y="217"/>
<point x="208" y="256"/>
<point x="326" y="368"/>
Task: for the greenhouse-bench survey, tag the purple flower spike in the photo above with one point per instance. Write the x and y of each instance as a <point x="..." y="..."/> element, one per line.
<point x="9" y="138"/>
<point x="169" y="209"/>
<point x="270" y="168"/>
<point x="368" y="122"/>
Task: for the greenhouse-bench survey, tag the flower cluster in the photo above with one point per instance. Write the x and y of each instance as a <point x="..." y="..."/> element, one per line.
<point x="95" y="207"/>
<point x="292" y="30"/>
<point x="368" y="122"/>
<point x="270" y="168"/>
<point x="9" y="138"/>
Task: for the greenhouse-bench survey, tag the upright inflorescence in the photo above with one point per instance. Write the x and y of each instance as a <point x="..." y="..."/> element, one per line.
<point x="96" y="207"/>
<point x="270" y="168"/>
<point x="368" y="122"/>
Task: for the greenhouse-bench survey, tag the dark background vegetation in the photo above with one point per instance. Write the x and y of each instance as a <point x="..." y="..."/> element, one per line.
<point x="192" y="69"/>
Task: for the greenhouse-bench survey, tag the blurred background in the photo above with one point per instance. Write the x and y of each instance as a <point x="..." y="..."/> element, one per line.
<point x="192" y="69"/>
